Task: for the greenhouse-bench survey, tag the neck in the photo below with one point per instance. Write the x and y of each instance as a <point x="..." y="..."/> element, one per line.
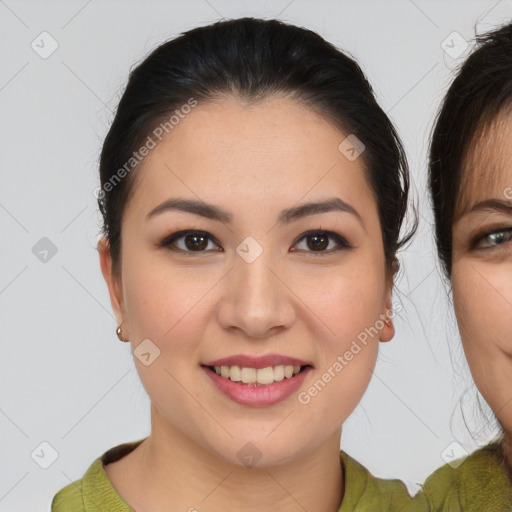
<point x="175" y="472"/>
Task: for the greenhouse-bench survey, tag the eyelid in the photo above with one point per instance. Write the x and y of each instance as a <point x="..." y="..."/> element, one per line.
<point x="478" y="239"/>
<point x="168" y="241"/>
<point x="341" y="241"/>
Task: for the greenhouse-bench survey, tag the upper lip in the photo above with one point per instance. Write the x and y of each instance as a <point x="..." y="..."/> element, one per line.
<point x="258" y="362"/>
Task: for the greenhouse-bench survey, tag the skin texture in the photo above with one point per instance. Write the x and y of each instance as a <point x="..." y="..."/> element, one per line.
<point x="482" y="257"/>
<point x="292" y="300"/>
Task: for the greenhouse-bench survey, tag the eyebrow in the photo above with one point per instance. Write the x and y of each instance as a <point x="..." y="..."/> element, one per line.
<point x="496" y="205"/>
<point x="287" y="216"/>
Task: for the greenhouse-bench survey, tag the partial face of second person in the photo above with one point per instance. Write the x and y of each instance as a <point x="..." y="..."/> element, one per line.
<point x="199" y="300"/>
<point x="482" y="264"/>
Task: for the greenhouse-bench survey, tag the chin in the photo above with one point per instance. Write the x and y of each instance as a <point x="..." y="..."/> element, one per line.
<point x="256" y="451"/>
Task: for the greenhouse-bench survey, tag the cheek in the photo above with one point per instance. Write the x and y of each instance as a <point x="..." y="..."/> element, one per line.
<point x="164" y="303"/>
<point x="355" y="299"/>
<point x="346" y="328"/>
<point x="482" y="295"/>
<point x="169" y="307"/>
<point x="353" y="315"/>
<point x="344" y="307"/>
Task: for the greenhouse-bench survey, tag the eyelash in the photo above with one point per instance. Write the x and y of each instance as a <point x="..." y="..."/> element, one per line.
<point x="169" y="240"/>
<point x="481" y="238"/>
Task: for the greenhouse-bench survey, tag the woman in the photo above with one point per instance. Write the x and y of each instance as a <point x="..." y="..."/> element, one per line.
<point x="253" y="193"/>
<point x="470" y="183"/>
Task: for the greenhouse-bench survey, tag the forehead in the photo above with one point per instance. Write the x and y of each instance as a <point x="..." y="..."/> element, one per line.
<point x="487" y="167"/>
<point x="225" y="150"/>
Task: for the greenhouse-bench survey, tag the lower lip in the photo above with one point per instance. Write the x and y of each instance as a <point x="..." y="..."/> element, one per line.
<point x="258" y="396"/>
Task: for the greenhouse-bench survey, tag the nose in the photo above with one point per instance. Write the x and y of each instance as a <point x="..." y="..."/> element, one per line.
<point x="256" y="299"/>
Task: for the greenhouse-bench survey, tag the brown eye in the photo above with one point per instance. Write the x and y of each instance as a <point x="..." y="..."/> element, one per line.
<point x="188" y="241"/>
<point x="318" y="241"/>
<point x="196" y="242"/>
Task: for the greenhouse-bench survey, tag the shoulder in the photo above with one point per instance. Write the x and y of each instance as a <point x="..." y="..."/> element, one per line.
<point x="475" y="483"/>
<point x="69" y="498"/>
<point x="366" y="492"/>
<point x="94" y="492"/>
<point x="78" y="495"/>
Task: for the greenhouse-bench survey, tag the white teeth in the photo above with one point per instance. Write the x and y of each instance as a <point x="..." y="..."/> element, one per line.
<point x="234" y="373"/>
<point x="278" y="373"/>
<point x="265" y="375"/>
<point x="260" y="376"/>
<point x="248" y="375"/>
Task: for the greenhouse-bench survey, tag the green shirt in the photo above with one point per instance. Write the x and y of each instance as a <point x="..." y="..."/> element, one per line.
<point x="363" y="491"/>
<point x="481" y="483"/>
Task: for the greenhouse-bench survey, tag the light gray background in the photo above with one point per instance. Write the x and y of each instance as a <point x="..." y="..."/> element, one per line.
<point x="65" y="378"/>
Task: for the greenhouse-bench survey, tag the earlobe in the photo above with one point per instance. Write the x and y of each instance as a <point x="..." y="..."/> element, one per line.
<point x="114" y="288"/>
<point x="388" y="330"/>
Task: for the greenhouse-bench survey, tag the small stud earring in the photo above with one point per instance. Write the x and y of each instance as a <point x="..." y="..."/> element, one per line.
<point x="118" y="332"/>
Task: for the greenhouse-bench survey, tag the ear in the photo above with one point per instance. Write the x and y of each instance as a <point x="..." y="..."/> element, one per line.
<point x="388" y="331"/>
<point x="113" y="283"/>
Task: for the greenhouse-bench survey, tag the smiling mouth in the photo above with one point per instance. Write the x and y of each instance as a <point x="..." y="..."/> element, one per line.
<point x="258" y="377"/>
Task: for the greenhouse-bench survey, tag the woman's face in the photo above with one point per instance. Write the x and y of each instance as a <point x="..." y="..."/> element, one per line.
<point x="482" y="264"/>
<point x="253" y="290"/>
